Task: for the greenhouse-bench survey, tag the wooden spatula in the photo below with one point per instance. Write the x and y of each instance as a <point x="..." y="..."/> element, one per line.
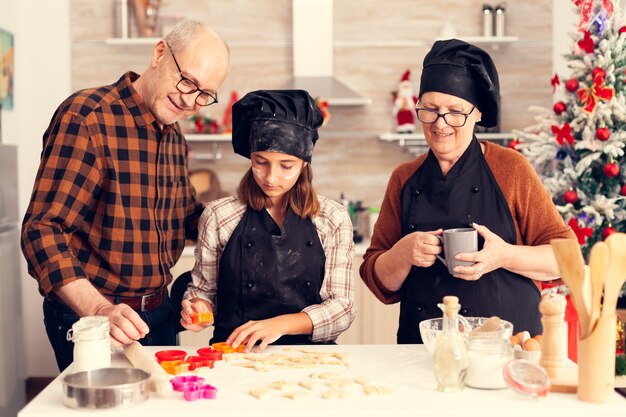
<point x="572" y="268"/>
<point x="615" y="274"/>
<point x="598" y="262"/>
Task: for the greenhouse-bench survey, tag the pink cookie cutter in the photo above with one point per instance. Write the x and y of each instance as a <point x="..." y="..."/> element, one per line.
<point x="205" y="391"/>
<point x="183" y="383"/>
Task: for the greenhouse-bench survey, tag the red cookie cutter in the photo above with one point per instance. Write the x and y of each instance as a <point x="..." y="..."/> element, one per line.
<point x="210" y="353"/>
<point x="199" y="362"/>
<point x="170" y="355"/>
<point x="201" y="318"/>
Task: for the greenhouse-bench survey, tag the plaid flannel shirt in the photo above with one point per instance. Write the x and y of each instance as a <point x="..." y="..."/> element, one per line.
<point x="112" y="201"/>
<point x="334" y="228"/>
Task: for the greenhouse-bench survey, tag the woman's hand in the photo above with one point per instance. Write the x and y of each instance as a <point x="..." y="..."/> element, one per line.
<point x="195" y="305"/>
<point x="419" y="248"/>
<point x="266" y="331"/>
<point x="491" y="257"/>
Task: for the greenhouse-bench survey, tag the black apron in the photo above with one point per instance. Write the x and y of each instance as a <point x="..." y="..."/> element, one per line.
<point x="265" y="272"/>
<point x="468" y="193"/>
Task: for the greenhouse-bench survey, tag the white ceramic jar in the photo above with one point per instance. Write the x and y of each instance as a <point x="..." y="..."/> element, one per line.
<point x="92" y="346"/>
<point x="487" y="355"/>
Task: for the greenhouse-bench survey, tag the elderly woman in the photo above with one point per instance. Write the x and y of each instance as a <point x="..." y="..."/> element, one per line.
<point x="274" y="263"/>
<point x="460" y="181"/>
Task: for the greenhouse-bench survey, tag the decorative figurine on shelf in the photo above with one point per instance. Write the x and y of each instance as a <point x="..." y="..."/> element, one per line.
<point x="322" y="104"/>
<point x="404" y="101"/>
<point x="146" y="12"/>
<point x="203" y="124"/>
<point x="227" y="121"/>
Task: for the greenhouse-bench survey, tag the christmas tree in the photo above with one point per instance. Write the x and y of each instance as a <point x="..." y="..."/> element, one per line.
<point x="577" y="147"/>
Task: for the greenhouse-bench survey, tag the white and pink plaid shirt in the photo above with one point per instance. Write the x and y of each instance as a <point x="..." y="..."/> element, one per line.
<point x="334" y="228"/>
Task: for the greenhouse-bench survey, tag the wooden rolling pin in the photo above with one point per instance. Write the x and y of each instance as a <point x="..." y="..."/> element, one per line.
<point x="140" y="358"/>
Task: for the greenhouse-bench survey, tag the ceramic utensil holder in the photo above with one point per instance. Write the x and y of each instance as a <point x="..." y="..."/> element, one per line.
<point x="596" y="362"/>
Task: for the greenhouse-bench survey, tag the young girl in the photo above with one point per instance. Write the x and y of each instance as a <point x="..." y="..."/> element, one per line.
<point x="274" y="263"/>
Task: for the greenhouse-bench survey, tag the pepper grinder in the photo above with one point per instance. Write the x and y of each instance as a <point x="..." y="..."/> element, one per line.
<point x="552" y="315"/>
<point x="499" y="19"/>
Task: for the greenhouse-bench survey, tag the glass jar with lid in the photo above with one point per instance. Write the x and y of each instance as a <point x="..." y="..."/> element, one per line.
<point x="487" y="355"/>
<point x="92" y="346"/>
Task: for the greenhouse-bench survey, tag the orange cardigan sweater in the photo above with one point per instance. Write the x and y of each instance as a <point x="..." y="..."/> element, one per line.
<point x="535" y="216"/>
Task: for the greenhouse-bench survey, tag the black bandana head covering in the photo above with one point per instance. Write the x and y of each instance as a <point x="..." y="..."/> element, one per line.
<point x="276" y="121"/>
<point x="463" y="70"/>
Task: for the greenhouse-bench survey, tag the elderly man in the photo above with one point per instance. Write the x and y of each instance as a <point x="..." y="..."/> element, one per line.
<point x="112" y="204"/>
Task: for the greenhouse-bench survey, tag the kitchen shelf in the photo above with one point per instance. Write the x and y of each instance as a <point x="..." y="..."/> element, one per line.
<point x="415" y="143"/>
<point x="139" y="40"/>
<point x="208" y="137"/>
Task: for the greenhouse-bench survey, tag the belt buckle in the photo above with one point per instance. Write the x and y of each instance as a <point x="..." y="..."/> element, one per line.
<point x="145" y="299"/>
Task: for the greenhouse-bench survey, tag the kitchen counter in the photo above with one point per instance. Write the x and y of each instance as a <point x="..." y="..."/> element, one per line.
<point x="406" y="369"/>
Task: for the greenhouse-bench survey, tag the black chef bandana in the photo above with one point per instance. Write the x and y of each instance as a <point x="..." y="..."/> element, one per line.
<point x="463" y="70"/>
<point x="276" y="121"/>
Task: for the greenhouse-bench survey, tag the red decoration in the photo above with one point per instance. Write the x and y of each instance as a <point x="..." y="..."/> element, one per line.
<point x="611" y="170"/>
<point x="586" y="44"/>
<point x="559" y="107"/>
<point x="608" y="231"/>
<point x="582" y="233"/>
<point x="603" y="134"/>
<point x="622" y="30"/>
<point x="227" y="121"/>
<point x="586" y="10"/>
<point x="623" y="190"/>
<point x="563" y="134"/>
<point x="513" y="144"/>
<point x="598" y="72"/>
<point x="570" y="196"/>
<point x="555" y="81"/>
<point x="322" y="104"/>
<point x="571" y="85"/>
<point x="589" y="96"/>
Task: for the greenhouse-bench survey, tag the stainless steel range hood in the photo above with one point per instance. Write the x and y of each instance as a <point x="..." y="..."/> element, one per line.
<point x="313" y="54"/>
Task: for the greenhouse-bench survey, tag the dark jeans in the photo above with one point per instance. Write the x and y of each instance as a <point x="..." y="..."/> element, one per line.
<point x="59" y="318"/>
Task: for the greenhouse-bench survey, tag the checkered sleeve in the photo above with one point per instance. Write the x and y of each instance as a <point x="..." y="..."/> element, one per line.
<point x="67" y="183"/>
<point x="215" y="227"/>
<point x="337" y="310"/>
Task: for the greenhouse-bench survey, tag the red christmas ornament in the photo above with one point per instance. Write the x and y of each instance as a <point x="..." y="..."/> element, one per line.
<point x="559" y="107"/>
<point x="611" y="170"/>
<point x="598" y="72"/>
<point x="570" y="196"/>
<point x="608" y="231"/>
<point x="571" y="85"/>
<point x="623" y="190"/>
<point x="622" y="29"/>
<point x="513" y="144"/>
<point x="603" y="134"/>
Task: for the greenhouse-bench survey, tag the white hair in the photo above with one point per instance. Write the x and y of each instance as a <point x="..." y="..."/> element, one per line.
<point x="186" y="31"/>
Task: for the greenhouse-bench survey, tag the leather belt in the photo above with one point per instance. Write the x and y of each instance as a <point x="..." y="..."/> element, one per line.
<point x="143" y="303"/>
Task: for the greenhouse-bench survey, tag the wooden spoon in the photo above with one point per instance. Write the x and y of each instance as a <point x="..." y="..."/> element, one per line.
<point x="615" y="274"/>
<point x="598" y="262"/>
<point x="572" y="268"/>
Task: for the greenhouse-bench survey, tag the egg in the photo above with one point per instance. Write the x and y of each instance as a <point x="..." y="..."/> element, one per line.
<point x="531" y="345"/>
<point x="492" y="324"/>
<point x="515" y="341"/>
<point x="537" y="338"/>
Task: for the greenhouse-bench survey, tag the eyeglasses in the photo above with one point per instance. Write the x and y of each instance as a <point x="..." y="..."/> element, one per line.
<point x="186" y="86"/>
<point x="453" y="119"/>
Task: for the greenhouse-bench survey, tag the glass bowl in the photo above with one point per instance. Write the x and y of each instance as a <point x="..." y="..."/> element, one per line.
<point x="430" y="329"/>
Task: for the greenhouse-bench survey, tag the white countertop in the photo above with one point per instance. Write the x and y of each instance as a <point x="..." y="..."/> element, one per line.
<point x="407" y="369"/>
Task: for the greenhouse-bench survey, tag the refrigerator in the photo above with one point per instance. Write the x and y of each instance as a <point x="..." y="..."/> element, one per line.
<point x="12" y="378"/>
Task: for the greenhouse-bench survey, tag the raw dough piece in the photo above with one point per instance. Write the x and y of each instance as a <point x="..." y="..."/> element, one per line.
<point x="363" y="380"/>
<point x="259" y="393"/>
<point x="282" y="385"/>
<point x="296" y="395"/>
<point x="376" y="390"/>
<point x="308" y="384"/>
<point x="329" y="375"/>
<point x="339" y="383"/>
<point x="333" y="394"/>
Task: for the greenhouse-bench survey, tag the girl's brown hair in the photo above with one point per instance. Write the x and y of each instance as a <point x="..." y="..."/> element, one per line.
<point x="302" y="198"/>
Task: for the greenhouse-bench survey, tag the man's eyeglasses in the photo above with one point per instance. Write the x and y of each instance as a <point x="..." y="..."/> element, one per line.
<point x="186" y="86"/>
<point x="453" y="119"/>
